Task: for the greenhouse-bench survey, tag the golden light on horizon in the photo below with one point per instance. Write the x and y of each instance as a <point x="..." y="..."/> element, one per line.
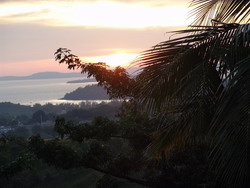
<point x="71" y="23"/>
<point x="113" y="60"/>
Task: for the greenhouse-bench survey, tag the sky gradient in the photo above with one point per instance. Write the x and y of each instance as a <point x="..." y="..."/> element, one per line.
<point x="111" y="31"/>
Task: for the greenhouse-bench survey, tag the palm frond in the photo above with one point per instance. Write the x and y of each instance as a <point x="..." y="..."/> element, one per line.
<point x="230" y="130"/>
<point x="199" y="83"/>
<point x="187" y="75"/>
<point x="229" y="11"/>
<point x="168" y="67"/>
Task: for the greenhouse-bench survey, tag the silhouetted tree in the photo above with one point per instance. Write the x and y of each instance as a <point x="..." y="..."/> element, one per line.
<point x="39" y="116"/>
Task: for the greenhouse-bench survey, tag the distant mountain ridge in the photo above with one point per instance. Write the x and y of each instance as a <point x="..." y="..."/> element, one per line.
<point x="50" y="75"/>
<point x="42" y="75"/>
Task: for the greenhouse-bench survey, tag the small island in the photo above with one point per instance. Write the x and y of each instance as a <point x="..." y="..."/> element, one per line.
<point x="90" y="92"/>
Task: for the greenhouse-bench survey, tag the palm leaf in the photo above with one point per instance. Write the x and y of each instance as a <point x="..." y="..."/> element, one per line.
<point x="229" y="11"/>
<point x="199" y="84"/>
<point x="230" y="130"/>
<point x="187" y="75"/>
<point x="169" y="67"/>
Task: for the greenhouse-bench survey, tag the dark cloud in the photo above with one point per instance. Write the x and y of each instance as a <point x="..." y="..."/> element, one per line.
<point x="24" y="42"/>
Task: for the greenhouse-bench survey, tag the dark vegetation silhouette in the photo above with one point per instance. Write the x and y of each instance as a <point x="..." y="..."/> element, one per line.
<point x="186" y="122"/>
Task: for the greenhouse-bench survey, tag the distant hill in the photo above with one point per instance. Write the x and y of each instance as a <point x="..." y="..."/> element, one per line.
<point x="50" y="75"/>
<point x="91" y="92"/>
<point x="42" y="75"/>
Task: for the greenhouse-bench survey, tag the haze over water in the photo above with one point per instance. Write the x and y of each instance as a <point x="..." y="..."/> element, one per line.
<point x="40" y="91"/>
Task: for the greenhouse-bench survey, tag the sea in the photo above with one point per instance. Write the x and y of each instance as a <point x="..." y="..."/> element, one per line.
<point x="41" y="91"/>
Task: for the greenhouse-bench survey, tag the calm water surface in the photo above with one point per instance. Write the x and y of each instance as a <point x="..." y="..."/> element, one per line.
<point x="40" y="91"/>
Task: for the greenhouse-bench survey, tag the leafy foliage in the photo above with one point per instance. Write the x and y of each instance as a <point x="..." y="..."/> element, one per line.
<point x="14" y="156"/>
<point x="116" y="82"/>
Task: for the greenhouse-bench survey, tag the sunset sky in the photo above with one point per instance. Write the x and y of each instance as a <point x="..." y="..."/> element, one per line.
<point x="113" y="31"/>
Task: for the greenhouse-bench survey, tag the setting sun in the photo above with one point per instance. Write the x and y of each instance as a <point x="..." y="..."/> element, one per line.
<point x="108" y="31"/>
<point x="113" y="60"/>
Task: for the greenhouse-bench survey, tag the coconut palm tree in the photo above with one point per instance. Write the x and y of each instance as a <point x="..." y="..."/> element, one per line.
<point x="200" y="85"/>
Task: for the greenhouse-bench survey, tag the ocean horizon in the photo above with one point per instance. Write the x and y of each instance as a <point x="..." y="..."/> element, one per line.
<point x="41" y="91"/>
